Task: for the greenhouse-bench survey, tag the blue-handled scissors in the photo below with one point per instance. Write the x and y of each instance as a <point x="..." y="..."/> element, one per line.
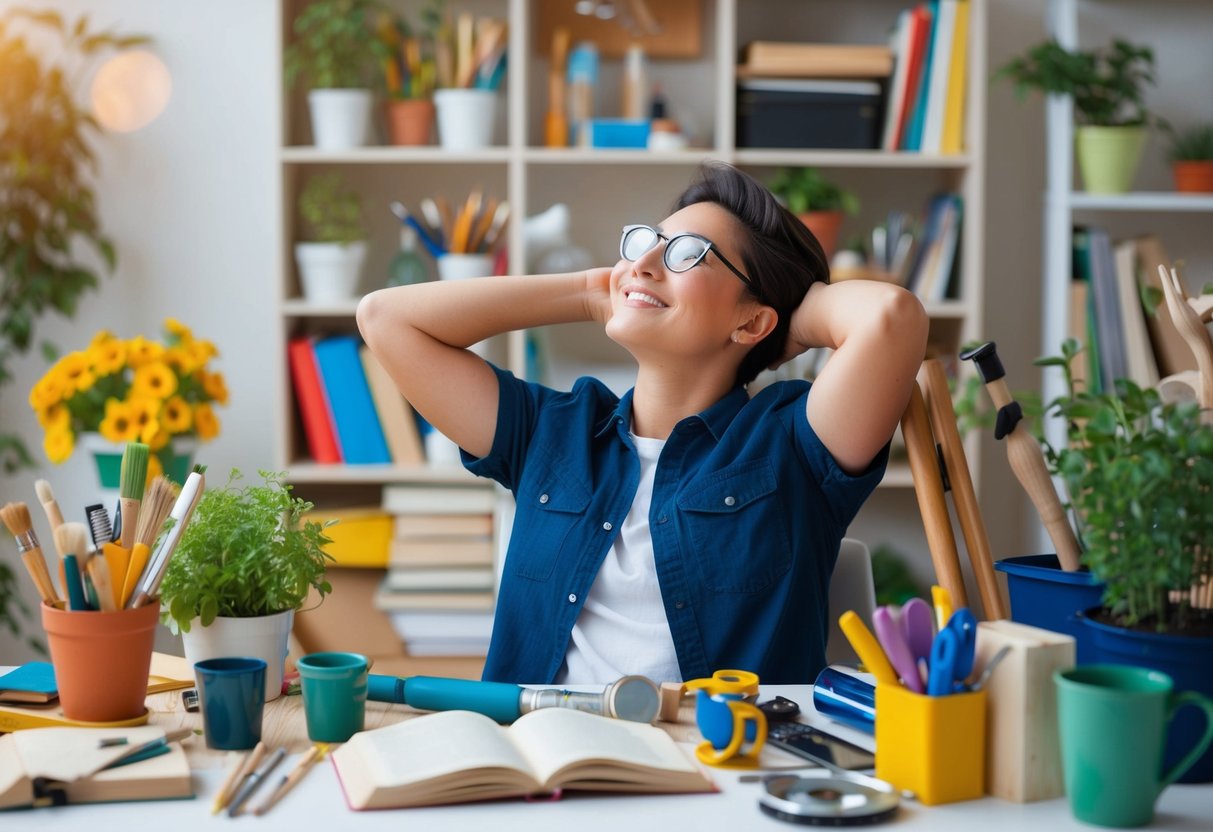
<point x="952" y="653"/>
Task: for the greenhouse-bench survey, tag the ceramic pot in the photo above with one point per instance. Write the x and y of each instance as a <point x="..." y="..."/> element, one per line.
<point x="1193" y="177"/>
<point x="411" y="121"/>
<point x="176" y="458"/>
<point x="825" y="226"/>
<point x="261" y="637"/>
<point x="1108" y="157"/>
<point x="330" y="272"/>
<point x="341" y="119"/>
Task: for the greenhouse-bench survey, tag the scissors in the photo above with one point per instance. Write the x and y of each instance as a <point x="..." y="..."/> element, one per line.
<point x="952" y="653"/>
<point x="896" y="648"/>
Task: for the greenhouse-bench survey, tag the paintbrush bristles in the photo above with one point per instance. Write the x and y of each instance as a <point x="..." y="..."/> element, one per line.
<point x="16" y="518"/>
<point x="46" y="496"/>
<point x="154" y="509"/>
<point x="72" y="539"/>
<point x="134" y="471"/>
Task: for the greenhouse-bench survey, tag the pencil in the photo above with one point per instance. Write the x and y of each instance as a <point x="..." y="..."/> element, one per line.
<point x="242" y="767"/>
<point x="288" y="781"/>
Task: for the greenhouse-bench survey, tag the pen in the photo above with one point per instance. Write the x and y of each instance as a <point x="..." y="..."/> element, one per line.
<point x="867" y="648"/>
<point x="288" y="781"/>
<point x="253" y="781"/>
<point x="183" y="509"/>
<point x="243" y="766"/>
<point x="143" y="748"/>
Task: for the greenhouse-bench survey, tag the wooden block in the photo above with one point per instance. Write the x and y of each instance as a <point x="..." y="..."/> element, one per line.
<point x="1023" y="758"/>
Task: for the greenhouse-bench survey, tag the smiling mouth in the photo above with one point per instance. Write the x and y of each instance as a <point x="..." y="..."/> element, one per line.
<point x="641" y="297"/>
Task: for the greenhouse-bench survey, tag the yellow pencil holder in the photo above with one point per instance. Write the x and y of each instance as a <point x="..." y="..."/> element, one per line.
<point x="935" y="746"/>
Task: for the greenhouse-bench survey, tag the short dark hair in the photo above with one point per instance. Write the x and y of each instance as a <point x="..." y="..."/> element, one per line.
<point x="781" y="256"/>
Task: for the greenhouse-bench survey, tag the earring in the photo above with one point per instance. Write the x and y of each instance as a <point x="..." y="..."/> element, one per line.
<point x="734" y="337"/>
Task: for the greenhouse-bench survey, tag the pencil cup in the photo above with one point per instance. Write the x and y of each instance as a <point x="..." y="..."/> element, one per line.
<point x="231" y="697"/>
<point x="465" y="118"/>
<point x="101" y="660"/>
<point x="935" y="746"/>
<point x="410" y="121"/>
<point x="334" y="694"/>
<point x="460" y="266"/>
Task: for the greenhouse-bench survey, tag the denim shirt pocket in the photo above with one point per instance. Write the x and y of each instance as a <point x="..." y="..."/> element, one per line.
<point x="549" y="509"/>
<point x="736" y="528"/>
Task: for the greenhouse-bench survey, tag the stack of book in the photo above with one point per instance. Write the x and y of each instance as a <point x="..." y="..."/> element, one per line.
<point x="438" y="590"/>
<point x="350" y="408"/>
<point x="926" y="97"/>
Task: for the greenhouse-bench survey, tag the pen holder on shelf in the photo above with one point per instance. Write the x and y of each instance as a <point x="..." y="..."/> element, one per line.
<point x="101" y="660"/>
<point x="465" y="118"/>
<point x="935" y="746"/>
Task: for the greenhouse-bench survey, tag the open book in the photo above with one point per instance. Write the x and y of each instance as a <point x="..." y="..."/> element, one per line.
<point x="457" y="756"/>
<point x="43" y="766"/>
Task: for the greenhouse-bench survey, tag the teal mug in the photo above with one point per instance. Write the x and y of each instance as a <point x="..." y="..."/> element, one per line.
<point x="231" y="697"/>
<point x="1113" y="721"/>
<point x="334" y="694"/>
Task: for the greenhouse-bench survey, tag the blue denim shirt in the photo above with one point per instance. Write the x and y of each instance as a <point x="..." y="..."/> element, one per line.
<point x="747" y="515"/>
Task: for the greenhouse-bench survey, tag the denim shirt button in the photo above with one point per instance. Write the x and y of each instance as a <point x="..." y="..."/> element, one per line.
<point x="730" y="500"/>
<point x="679" y="604"/>
<point x="662" y="519"/>
<point x="607" y="526"/>
<point x="543" y="498"/>
<point x="572" y="598"/>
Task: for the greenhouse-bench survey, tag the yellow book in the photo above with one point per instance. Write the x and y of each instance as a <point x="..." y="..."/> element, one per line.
<point x="953" y="114"/>
<point x="360" y="537"/>
<point x="460" y="756"/>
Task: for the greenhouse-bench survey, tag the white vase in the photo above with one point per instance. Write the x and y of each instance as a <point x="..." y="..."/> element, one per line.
<point x="261" y="637"/>
<point x="330" y="272"/>
<point x="341" y="119"/>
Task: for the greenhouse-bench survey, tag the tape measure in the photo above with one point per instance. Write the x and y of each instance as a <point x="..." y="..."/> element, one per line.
<point x="826" y="799"/>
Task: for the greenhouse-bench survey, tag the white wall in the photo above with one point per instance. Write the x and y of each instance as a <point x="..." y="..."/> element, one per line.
<point x="189" y="202"/>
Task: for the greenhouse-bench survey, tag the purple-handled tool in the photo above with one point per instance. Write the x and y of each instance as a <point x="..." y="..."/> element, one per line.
<point x="917" y="622"/>
<point x="891" y="638"/>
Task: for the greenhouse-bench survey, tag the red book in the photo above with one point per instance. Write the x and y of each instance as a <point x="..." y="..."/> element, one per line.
<point x="313" y="404"/>
<point x="920" y="40"/>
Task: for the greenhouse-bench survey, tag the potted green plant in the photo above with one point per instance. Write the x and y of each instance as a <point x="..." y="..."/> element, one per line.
<point x="337" y="55"/>
<point x="820" y="204"/>
<point x="1190" y="152"/>
<point x="1106" y="86"/>
<point x="411" y="74"/>
<point x="333" y="251"/>
<point x="245" y="564"/>
<point x="1139" y="474"/>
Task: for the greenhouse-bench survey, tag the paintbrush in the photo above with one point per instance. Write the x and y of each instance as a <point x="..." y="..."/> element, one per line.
<point x="16" y="517"/>
<point x="71" y="539"/>
<point x="152" y="514"/>
<point x="183" y="509"/>
<point x="133" y="481"/>
<point x="46" y="496"/>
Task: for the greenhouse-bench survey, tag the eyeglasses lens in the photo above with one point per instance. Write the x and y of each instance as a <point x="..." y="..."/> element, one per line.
<point x="681" y="253"/>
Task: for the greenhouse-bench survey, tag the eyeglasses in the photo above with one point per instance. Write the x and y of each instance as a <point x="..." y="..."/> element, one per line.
<point x="682" y="251"/>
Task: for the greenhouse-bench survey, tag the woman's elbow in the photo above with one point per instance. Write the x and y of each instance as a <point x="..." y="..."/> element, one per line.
<point x="904" y="319"/>
<point x="369" y="314"/>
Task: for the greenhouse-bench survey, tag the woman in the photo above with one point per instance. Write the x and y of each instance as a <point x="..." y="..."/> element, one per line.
<point x="686" y="527"/>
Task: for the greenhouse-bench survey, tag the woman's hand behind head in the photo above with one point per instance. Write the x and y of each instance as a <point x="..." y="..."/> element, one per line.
<point x="598" y="292"/>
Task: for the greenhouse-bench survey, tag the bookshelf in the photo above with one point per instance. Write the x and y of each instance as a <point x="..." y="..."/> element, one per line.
<point x="606" y="189"/>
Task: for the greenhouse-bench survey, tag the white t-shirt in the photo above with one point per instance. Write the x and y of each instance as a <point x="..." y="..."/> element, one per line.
<point x="622" y="629"/>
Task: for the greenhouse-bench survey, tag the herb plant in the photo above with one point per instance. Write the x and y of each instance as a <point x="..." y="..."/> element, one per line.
<point x="332" y="213"/>
<point x="805" y="189"/>
<point x="247" y="552"/>
<point x="1140" y="478"/>
<point x="1193" y="144"/>
<point x="335" y="46"/>
<point x="1106" y="84"/>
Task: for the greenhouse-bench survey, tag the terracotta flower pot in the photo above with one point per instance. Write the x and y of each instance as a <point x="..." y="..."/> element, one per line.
<point x="411" y="121"/>
<point x="825" y="226"/>
<point x="1193" y="177"/>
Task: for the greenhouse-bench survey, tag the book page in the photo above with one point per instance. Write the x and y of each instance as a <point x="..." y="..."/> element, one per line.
<point x="427" y="758"/>
<point x="555" y="739"/>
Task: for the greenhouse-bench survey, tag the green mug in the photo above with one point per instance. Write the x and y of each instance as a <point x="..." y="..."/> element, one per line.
<point x="1113" y="721"/>
<point x="334" y="694"/>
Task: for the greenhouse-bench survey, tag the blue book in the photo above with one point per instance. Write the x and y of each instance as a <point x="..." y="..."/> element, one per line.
<point x="349" y="395"/>
<point x="913" y="137"/>
<point x="32" y="682"/>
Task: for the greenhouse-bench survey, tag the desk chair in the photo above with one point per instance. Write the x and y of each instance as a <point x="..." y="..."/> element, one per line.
<point x="851" y="588"/>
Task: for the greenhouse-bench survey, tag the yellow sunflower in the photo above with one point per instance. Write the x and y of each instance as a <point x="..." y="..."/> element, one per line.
<point x="206" y="423"/>
<point x="146" y="413"/>
<point x="154" y="469"/>
<point x="180" y="359"/>
<point x="119" y="424"/>
<point x="59" y="443"/>
<point x="75" y="369"/>
<point x="48" y="391"/>
<point x="176" y="416"/>
<point x="140" y="351"/>
<point x="159" y="439"/>
<point x="178" y="330"/>
<point x="101" y="337"/>
<point x="201" y="351"/>
<point x="153" y="380"/>
<point x="55" y="417"/>
<point x="215" y="386"/>
<point x="108" y="357"/>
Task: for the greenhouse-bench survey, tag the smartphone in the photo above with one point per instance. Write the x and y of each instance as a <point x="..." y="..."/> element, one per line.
<point x="809" y="742"/>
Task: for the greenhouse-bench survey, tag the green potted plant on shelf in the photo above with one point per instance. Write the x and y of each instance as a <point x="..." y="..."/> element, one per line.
<point x="1139" y="474"/>
<point x="245" y="564"/>
<point x="820" y="204"/>
<point x="331" y="255"/>
<point x="411" y="74"/>
<point x="1106" y="86"/>
<point x="1190" y="152"/>
<point x="337" y="55"/>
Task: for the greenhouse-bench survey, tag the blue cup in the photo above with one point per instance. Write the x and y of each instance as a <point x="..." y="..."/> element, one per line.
<point x="231" y="697"/>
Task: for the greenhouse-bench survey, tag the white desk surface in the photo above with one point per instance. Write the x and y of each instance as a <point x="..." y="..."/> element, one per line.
<point x="317" y="803"/>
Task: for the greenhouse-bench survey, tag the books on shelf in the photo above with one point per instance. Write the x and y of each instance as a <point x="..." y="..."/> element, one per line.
<point x="1139" y="355"/>
<point x="439" y="551"/>
<point x="349" y="396"/>
<point x="438" y="579"/>
<point x="1170" y="349"/>
<point x="41" y="765"/>
<point x="439" y="499"/>
<point x="431" y="625"/>
<point x="952" y="141"/>
<point x="395" y="413"/>
<point x="777" y="59"/>
<point x="1108" y="319"/>
<point x="427" y="526"/>
<point x="925" y="104"/>
<point x="936" y="259"/>
<point x="313" y="402"/>
<point x="937" y="84"/>
<point x="387" y="600"/>
<point x="460" y="756"/>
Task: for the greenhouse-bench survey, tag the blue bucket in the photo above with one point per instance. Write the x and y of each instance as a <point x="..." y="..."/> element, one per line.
<point x="1045" y="595"/>
<point x="1186" y="659"/>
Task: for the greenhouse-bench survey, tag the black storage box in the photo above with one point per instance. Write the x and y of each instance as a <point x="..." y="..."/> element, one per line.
<point x="843" y="115"/>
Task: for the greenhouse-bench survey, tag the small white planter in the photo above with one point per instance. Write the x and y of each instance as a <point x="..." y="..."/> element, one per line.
<point x="330" y="271"/>
<point x="263" y="637"/>
<point x="341" y="119"/>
